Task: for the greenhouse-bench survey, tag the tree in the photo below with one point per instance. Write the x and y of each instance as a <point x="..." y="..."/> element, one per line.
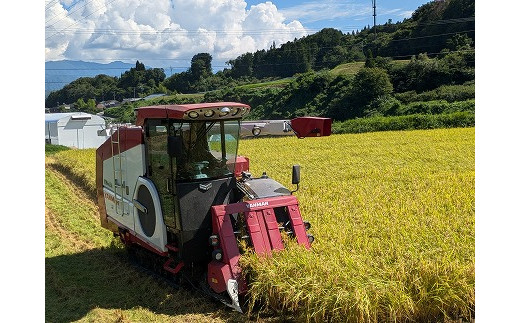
<point x="81" y="105"/>
<point x="242" y="65"/>
<point x="459" y="42"/>
<point x="139" y="66"/>
<point x="368" y="85"/>
<point x="200" y="66"/>
<point x="370" y="60"/>
<point x="91" y="106"/>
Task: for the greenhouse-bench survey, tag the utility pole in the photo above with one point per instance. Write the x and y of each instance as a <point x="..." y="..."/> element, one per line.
<point x="374" y="6"/>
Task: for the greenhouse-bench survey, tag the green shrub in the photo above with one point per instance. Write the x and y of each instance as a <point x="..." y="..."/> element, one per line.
<point x="408" y="122"/>
<point x="450" y="93"/>
<point x="436" y="107"/>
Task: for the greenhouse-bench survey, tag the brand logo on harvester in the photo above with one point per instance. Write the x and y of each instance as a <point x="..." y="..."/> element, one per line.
<point x="205" y="187"/>
<point x="257" y="204"/>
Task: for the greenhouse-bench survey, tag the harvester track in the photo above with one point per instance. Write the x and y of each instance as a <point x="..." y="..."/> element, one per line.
<point x="79" y="244"/>
<point x="137" y="256"/>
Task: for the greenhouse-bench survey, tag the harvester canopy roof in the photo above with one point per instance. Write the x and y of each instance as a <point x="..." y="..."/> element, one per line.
<point x="198" y="111"/>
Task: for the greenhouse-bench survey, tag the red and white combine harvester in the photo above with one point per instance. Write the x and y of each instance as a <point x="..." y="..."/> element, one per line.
<point x="174" y="190"/>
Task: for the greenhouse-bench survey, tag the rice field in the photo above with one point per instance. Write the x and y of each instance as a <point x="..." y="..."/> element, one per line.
<point x="393" y="214"/>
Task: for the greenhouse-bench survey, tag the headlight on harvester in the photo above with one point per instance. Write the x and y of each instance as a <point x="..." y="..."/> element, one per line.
<point x="213" y="240"/>
<point x="224" y="111"/>
<point x="217" y="254"/>
<point x="307" y="225"/>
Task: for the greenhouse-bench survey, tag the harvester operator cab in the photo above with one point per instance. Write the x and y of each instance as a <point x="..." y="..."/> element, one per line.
<point x="203" y="149"/>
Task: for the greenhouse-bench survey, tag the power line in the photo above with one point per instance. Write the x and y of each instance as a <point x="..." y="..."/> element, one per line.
<point x="79" y="20"/>
<point x="429" y="36"/>
<point x="453" y="51"/>
<point x="50" y="4"/>
<point x="105" y="31"/>
<point x="236" y="32"/>
<point x="283" y="64"/>
<point x="100" y="31"/>
<point x="275" y="64"/>
<point x="97" y="68"/>
<point x="447" y="21"/>
<point x="218" y="31"/>
<point x="70" y="13"/>
<point x="286" y="50"/>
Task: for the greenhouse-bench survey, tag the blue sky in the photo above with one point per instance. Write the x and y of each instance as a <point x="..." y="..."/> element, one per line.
<point x="164" y="33"/>
<point x="343" y="15"/>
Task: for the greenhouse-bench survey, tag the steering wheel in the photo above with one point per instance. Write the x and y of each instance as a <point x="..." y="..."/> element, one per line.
<point x="198" y="168"/>
<point x="200" y="165"/>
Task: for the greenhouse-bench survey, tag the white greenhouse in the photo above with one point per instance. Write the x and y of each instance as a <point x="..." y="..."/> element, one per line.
<point x="75" y="129"/>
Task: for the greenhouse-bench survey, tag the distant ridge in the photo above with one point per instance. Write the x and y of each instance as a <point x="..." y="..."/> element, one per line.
<point x="60" y="73"/>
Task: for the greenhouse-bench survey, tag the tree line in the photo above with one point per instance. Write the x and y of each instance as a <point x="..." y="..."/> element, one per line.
<point x="381" y="88"/>
<point x="443" y="29"/>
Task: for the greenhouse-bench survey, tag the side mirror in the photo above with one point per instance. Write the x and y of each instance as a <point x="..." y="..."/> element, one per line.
<point x="296" y="174"/>
<point x="174" y="146"/>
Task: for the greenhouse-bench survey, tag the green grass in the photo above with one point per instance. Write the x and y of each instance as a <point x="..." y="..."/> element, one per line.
<point x="354" y="67"/>
<point x="276" y="83"/>
<point x="198" y="96"/>
<point x="53" y="149"/>
<point x="347" y="68"/>
<point x="89" y="279"/>
<point x="81" y="165"/>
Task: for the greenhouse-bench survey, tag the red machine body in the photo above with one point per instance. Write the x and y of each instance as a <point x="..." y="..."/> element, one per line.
<point x="263" y="229"/>
<point x="311" y="126"/>
<point x="196" y="215"/>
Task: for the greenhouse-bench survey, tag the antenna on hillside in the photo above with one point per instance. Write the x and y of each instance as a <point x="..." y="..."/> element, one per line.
<point x="374" y="6"/>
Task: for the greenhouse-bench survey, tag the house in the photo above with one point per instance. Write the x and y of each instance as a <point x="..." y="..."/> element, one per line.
<point x="75" y="129"/>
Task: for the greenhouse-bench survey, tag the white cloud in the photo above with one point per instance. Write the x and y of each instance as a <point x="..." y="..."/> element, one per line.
<point x="107" y="30"/>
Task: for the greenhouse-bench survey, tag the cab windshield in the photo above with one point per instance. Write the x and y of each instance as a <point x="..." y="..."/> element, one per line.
<point x="209" y="149"/>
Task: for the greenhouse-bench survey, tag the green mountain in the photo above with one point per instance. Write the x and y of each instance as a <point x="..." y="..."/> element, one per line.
<point x="422" y="65"/>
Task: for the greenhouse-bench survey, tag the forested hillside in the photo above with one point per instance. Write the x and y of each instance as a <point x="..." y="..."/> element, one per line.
<point x="422" y="65"/>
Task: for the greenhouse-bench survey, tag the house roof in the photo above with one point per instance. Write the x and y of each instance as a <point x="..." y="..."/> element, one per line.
<point x="54" y="117"/>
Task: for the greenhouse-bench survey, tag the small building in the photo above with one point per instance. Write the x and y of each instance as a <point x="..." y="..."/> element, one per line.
<point x="75" y="129"/>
